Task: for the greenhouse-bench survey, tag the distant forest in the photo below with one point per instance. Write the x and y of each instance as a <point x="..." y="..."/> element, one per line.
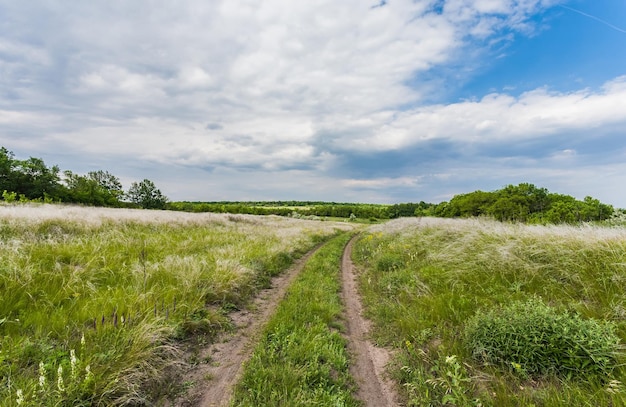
<point x="32" y="180"/>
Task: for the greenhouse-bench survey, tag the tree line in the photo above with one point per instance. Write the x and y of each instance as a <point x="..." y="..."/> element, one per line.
<point x="525" y="203"/>
<point x="522" y="203"/>
<point x="32" y="180"/>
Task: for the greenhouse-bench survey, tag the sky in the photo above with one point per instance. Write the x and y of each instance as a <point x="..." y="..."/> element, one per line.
<point x="348" y="101"/>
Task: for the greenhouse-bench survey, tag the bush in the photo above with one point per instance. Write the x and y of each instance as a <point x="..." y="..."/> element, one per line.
<point x="531" y="338"/>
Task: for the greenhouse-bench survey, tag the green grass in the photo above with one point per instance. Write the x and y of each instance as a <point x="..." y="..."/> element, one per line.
<point x="302" y="358"/>
<point x="432" y="286"/>
<point x="95" y="302"/>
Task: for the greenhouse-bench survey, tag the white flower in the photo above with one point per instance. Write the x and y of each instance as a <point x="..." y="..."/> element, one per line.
<point x="42" y="376"/>
<point x="73" y="361"/>
<point x="60" y="384"/>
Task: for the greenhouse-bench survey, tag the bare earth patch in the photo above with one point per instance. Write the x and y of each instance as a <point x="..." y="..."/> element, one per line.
<point x="375" y="389"/>
<point x="215" y="380"/>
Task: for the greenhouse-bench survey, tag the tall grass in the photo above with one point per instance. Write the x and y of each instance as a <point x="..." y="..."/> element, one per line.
<point x="302" y="358"/>
<point x="424" y="279"/>
<point x="93" y="300"/>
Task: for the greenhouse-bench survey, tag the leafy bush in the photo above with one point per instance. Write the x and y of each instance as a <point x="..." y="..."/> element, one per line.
<point x="531" y="338"/>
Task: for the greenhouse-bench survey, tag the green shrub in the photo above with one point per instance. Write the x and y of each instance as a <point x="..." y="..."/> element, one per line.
<point x="9" y="197"/>
<point x="531" y="338"/>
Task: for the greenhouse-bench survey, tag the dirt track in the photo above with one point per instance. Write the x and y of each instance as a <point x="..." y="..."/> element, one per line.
<point x="368" y="367"/>
<point x="232" y="350"/>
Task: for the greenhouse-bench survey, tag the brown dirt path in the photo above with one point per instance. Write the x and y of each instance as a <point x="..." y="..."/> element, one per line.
<point x="368" y="368"/>
<point x="231" y="350"/>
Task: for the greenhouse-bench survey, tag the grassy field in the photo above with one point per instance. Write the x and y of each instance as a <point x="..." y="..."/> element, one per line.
<point x="302" y="358"/>
<point x="95" y="301"/>
<point x="492" y="314"/>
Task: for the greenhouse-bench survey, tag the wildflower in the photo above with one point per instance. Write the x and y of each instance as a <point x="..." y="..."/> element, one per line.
<point x="73" y="361"/>
<point x="42" y="376"/>
<point x="20" y="397"/>
<point x="88" y="374"/>
<point x="60" y="384"/>
<point x="450" y="359"/>
<point x="82" y="341"/>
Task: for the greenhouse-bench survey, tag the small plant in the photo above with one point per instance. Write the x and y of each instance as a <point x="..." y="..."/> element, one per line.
<point x="9" y="197"/>
<point x="531" y="338"/>
<point x="439" y="380"/>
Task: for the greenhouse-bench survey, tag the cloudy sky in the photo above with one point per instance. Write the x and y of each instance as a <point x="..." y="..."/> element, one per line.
<point x="350" y="100"/>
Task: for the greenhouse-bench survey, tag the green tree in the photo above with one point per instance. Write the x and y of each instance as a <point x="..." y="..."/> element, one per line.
<point x="562" y="211"/>
<point x="108" y="182"/>
<point x="471" y="204"/>
<point x="146" y="195"/>
<point x="35" y="180"/>
<point x="7" y="168"/>
<point x="97" y="188"/>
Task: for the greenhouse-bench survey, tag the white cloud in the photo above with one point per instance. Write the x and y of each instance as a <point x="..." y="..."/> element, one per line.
<point x="533" y="114"/>
<point x="381" y="183"/>
<point x="275" y="85"/>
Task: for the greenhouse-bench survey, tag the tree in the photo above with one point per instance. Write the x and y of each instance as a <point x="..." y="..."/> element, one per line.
<point x="146" y="195"/>
<point x="108" y="182"/>
<point x="7" y="168"/>
<point x="98" y="188"/>
<point x="35" y="180"/>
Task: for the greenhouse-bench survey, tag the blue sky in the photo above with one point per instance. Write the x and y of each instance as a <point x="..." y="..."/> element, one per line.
<point x="337" y="101"/>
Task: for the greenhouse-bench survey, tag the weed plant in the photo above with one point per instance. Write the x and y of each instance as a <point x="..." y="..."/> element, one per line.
<point x="94" y="302"/>
<point x="449" y="295"/>
<point x="302" y="358"/>
<point x="535" y="340"/>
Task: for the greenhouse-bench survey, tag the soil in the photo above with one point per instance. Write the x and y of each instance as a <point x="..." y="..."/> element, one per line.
<point x="375" y="389"/>
<point x="215" y="381"/>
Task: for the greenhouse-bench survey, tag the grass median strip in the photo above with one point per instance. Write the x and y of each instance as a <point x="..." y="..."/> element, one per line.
<point x="302" y="357"/>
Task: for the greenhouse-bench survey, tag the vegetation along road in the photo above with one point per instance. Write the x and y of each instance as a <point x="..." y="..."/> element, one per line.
<point x="311" y="343"/>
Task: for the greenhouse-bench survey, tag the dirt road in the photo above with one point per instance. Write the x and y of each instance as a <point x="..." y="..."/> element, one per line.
<point x="368" y="366"/>
<point x="231" y="351"/>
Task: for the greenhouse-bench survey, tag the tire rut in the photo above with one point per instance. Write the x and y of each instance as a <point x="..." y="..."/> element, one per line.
<point x="232" y="349"/>
<point x="368" y="367"/>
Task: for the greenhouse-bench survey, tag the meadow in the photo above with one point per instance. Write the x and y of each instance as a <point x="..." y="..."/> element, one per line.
<point x="493" y="314"/>
<point x="96" y="302"/>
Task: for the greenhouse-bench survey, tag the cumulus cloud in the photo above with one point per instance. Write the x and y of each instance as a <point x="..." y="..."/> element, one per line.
<point x="533" y="114"/>
<point x="318" y="87"/>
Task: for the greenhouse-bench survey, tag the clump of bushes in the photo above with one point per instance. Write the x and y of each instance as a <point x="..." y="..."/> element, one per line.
<point x="533" y="339"/>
